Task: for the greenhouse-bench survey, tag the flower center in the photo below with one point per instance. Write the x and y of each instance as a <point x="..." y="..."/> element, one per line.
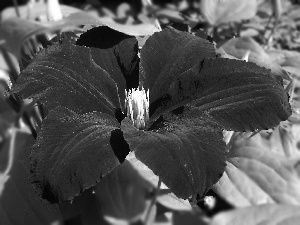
<point x="137" y="107"/>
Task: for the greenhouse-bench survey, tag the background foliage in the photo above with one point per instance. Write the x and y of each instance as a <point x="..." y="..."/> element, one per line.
<point x="261" y="182"/>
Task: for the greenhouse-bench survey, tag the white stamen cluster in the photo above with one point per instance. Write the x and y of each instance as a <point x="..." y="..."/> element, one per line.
<point x="53" y="10"/>
<point x="137" y="107"/>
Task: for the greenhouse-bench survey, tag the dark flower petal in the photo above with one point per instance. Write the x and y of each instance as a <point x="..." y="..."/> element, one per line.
<point x="72" y="153"/>
<point x="66" y="75"/>
<point x="188" y="155"/>
<point x="168" y="54"/>
<point x="240" y="96"/>
<point x="116" y="53"/>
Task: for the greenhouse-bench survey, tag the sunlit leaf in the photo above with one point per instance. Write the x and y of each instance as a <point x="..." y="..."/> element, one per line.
<point x="16" y="31"/>
<point x="239" y="46"/>
<point x="165" y="197"/>
<point x="224" y="11"/>
<point x="122" y="194"/>
<point x="256" y="215"/>
<point x="35" y="10"/>
<point x="255" y="174"/>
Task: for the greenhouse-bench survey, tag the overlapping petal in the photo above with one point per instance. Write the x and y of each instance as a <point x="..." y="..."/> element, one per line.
<point x="66" y="75"/>
<point x="72" y="153"/>
<point x="80" y="140"/>
<point x="240" y="96"/>
<point x="204" y="95"/>
<point x="187" y="155"/>
<point x="116" y="53"/>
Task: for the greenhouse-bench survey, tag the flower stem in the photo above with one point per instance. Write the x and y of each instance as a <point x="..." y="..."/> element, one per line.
<point x="13" y="73"/>
<point x="17" y="8"/>
<point x="152" y="202"/>
<point x="11" y="152"/>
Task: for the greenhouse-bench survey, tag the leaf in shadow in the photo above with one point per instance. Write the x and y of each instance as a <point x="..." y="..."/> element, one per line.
<point x="19" y="203"/>
<point x="121" y="195"/>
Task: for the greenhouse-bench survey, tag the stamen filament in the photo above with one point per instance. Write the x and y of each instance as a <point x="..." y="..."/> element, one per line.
<point x="137" y="107"/>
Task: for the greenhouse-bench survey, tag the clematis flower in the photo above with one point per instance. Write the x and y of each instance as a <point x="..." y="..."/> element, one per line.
<point x="169" y="106"/>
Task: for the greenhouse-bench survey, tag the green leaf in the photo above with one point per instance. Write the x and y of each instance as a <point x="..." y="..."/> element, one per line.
<point x="256" y="215"/>
<point x="257" y="174"/>
<point x="15" y="31"/>
<point x="165" y="197"/>
<point x="73" y="152"/>
<point x="187" y="155"/>
<point x="7" y="118"/>
<point x="172" y="202"/>
<point x="189" y="218"/>
<point x="121" y="196"/>
<point x="19" y="203"/>
<point x="238" y="47"/>
<point x="37" y="10"/>
<point x="84" y="209"/>
<point x="122" y="193"/>
<point x="217" y="12"/>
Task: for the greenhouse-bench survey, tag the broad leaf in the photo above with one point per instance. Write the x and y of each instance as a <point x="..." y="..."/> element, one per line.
<point x="256" y="174"/>
<point x="217" y="12"/>
<point x="14" y="32"/>
<point x="73" y="152"/>
<point x="88" y="19"/>
<point x="18" y="201"/>
<point x="187" y="155"/>
<point x="238" y="47"/>
<point x="66" y="75"/>
<point x="7" y="118"/>
<point x="189" y="218"/>
<point x="172" y="202"/>
<point x="165" y="197"/>
<point x="35" y="10"/>
<point x="122" y="193"/>
<point x="83" y="209"/>
<point x="257" y="215"/>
